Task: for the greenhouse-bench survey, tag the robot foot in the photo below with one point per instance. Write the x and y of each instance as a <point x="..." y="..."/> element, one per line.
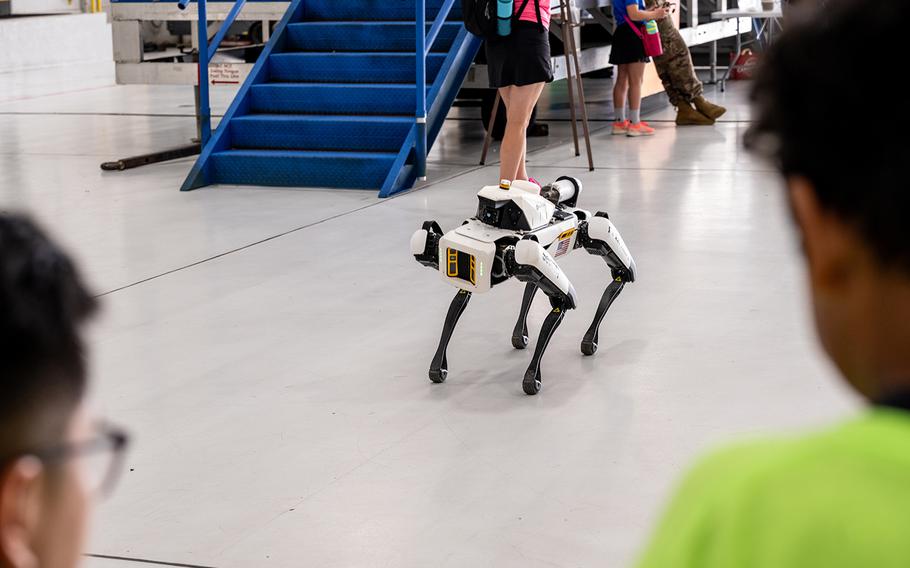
<point x="531" y="383"/>
<point x="439" y="375"/>
<point x="520" y="341"/>
<point x="588" y="346"/>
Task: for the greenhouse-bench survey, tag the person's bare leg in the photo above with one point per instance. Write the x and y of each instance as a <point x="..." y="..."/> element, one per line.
<point x="522" y="174"/>
<point x="620" y="86"/>
<point x="522" y="165"/>
<point x="514" y="143"/>
<point x="636" y="76"/>
<point x="534" y="96"/>
<point x="504" y="93"/>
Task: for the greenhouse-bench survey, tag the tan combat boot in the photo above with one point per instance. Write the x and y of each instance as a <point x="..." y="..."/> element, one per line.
<point x="709" y="109"/>
<point x="688" y="116"/>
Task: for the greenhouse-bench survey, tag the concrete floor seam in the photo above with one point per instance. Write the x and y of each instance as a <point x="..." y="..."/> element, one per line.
<point x="234" y="250"/>
<point x="146" y="561"/>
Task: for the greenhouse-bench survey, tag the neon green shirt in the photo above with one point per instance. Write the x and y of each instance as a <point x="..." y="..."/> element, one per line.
<point x="837" y="499"/>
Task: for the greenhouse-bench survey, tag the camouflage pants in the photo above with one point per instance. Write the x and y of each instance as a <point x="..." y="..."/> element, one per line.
<point x="675" y="67"/>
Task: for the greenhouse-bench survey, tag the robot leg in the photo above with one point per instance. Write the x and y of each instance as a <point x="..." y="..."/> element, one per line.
<point x="439" y="366"/>
<point x="601" y="238"/>
<point x="589" y="343"/>
<point x="531" y="263"/>
<point x="520" y="333"/>
<point x="532" y="380"/>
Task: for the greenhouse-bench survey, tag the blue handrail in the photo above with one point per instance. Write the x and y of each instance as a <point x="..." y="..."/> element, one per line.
<point x="423" y="47"/>
<point x="206" y="53"/>
<point x="437" y="25"/>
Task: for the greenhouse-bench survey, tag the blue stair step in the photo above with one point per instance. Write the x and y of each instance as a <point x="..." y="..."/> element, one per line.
<point x="333" y="98"/>
<point x="373" y="10"/>
<point x="376" y="67"/>
<point x="364" y="36"/>
<point x="286" y="168"/>
<point x="357" y="133"/>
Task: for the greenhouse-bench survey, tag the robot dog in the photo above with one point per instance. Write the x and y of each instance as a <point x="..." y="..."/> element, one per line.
<point x="520" y="230"/>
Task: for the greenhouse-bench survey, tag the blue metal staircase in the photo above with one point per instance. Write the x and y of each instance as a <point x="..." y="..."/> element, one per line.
<point x="333" y="99"/>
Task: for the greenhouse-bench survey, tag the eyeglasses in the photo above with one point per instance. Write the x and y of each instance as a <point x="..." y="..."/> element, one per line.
<point x="99" y="459"/>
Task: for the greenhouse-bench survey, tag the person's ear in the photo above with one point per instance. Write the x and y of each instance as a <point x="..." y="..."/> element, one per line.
<point x="830" y="249"/>
<point x="20" y="511"/>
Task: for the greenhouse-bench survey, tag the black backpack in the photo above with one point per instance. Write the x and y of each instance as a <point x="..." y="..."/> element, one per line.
<point x="479" y="17"/>
<point x="481" y="20"/>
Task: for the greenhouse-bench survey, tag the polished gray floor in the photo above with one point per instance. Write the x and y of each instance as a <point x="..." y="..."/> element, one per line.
<point x="268" y="347"/>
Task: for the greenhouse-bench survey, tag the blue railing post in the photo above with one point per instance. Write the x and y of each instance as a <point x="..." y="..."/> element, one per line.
<point x="420" y="115"/>
<point x="205" y="111"/>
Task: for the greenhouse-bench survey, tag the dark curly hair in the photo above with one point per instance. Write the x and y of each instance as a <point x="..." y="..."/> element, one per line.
<point x="43" y="304"/>
<point x="809" y="99"/>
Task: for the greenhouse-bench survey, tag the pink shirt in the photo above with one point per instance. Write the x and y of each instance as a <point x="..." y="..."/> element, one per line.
<point x="530" y="12"/>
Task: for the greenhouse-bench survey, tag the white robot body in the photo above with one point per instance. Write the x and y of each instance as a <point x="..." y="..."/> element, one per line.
<point x="521" y="232"/>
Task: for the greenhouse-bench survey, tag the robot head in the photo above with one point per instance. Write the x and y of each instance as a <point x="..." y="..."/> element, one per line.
<point x="520" y="208"/>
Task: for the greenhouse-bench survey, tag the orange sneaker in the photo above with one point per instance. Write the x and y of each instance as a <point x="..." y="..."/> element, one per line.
<point x="640" y="129"/>
<point x="621" y="127"/>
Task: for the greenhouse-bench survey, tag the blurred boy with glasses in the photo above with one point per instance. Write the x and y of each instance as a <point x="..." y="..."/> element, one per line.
<point x="53" y="458"/>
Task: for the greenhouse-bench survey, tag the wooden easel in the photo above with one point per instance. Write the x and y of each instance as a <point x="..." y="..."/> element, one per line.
<point x="573" y="76"/>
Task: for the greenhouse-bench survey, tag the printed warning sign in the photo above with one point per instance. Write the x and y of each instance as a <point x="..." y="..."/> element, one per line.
<point x="225" y="74"/>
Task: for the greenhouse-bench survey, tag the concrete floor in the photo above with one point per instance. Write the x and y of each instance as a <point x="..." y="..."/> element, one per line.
<point x="268" y="348"/>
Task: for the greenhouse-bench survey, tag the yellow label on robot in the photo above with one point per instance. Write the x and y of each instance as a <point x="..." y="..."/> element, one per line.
<point x="452" y="270"/>
<point x="566" y="234"/>
<point x="461" y="265"/>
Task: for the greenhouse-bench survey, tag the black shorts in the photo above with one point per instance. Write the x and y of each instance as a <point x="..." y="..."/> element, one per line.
<point x="520" y="58"/>
<point x="627" y="47"/>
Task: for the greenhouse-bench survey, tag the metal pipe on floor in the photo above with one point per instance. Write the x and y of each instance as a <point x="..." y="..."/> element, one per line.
<point x="152" y="158"/>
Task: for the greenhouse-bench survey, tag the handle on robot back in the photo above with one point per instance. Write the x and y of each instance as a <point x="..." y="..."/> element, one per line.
<point x="573" y="188"/>
<point x="563" y="190"/>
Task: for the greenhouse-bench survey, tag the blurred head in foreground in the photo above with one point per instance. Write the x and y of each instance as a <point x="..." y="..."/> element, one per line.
<point x="840" y="497"/>
<point x="849" y="193"/>
<point x="52" y="457"/>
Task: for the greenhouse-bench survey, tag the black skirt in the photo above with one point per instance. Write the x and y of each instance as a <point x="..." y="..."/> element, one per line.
<point x="520" y="58"/>
<point x="627" y="47"/>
